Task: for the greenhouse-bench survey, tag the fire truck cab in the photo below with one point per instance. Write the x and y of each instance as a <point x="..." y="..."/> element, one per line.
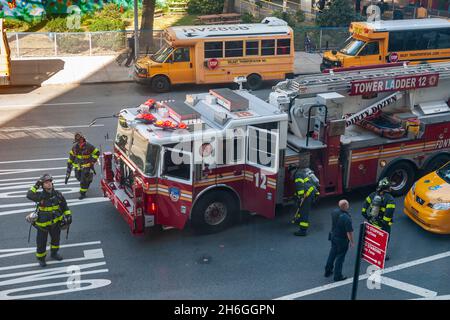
<point x="201" y="161"/>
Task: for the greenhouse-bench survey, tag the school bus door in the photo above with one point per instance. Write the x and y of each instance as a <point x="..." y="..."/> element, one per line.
<point x="181" y="65"/>
<point x="370" y="54"/>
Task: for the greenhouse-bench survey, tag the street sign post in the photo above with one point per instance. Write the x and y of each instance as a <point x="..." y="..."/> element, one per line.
<point x="372" y="246"/>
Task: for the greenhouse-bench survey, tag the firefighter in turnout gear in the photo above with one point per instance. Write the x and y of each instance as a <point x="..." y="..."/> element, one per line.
<point x="82" y="158"/>
<point x="52" y="212"/>
<point x="306" y="192"/>
<point x="379" y="207"/>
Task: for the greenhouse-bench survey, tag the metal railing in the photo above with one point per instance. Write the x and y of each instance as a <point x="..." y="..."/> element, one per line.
<point x="40" y="44"/>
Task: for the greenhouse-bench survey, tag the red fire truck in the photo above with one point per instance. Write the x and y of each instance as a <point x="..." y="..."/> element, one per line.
<point x="204" y="159"/>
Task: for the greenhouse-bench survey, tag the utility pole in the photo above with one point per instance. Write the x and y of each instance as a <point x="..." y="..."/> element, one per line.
<point x="136" y="27"/>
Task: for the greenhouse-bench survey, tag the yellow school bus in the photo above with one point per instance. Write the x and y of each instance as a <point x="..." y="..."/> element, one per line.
<point x="5" y="58"/>
<point x="219" y="53"/>
<point x="380" y="42"/>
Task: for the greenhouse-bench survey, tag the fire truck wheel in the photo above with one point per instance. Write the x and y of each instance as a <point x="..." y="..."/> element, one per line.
<point x="402" y="176"/>
<point x="160" y="84"/>
<point x="213" y="212"/>
<point x="437" y="162"/>
<point x="254" y="81"/>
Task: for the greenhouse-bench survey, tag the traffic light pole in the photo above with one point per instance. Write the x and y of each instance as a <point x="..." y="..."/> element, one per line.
<point x="136" y="37"/>
<point x="362" y="231"/>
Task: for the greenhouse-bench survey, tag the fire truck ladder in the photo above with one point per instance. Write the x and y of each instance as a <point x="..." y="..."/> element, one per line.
<point x="341" y="81"/>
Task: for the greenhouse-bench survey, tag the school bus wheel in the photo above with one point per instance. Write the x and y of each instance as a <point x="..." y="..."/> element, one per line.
<point x="160" y="84"/>
<point x="214" y="212"/>
<point x="254" y="81"/>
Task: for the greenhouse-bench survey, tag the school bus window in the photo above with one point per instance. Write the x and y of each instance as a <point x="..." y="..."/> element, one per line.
<point x="369" y="49"/>
<point x="234" y="48"/>
<point x="443" y="38"/>
<point x="252" y="48"/>
<point x="352" y="47"/>
<point x="267" y="47"/>
<point x="214" y="49"/>
<point x="181" y="55"/>
<point x="283" y="46"/>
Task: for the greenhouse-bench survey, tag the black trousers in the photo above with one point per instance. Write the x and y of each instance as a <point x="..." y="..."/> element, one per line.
<point x="85" y="176"/>
<point x="302" y="215"/>
<point x="41" y="240"/>
<point x="336" y="257"/>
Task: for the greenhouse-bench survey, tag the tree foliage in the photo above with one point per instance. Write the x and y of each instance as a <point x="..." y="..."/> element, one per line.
<point x="338" y="13"/>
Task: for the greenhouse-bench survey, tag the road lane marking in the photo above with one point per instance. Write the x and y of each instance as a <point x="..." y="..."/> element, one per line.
<point x="365" y="276"/>
<point x="56" y="183"/>
<point x="35" y="128"/>
<point x="408" y="287"/>
<point x="71" y="245"/>
<point x="443" y="297"/>
<point x="32" y="179"/>
<point x="71" y="203"/>
<point x="18" y="171"/>
<point x="45" y="104"/>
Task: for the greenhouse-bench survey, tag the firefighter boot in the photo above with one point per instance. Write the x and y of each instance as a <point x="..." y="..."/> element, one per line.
<point x="300" y="233"/>
<point x="82" y="195"/>
<point x="42" y="262"/>
<point x="56" y="256"/>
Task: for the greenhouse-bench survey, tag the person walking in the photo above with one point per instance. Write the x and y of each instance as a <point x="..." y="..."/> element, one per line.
<point x="82" y="157"/>
<point x="341" y="236"/>
<point x="52" y="214"/>
<point x="131" y="51"/>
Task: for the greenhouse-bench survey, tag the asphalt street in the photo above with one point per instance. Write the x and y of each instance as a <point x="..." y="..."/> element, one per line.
<point x="255" y="259"/>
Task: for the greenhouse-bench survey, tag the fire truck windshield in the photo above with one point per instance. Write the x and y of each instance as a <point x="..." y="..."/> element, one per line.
<point x="137" y="148"/>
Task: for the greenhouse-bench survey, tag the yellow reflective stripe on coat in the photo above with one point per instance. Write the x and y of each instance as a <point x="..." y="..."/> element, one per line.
<point x="47" y="209"/>
<point x="390" y="206"/>
<point x="300" y="192"/>
<point x="368" y="200"/>
<point x="298" y="180"/>
<point x="33" y="189"/>
<point x="363" y="210"/>
<point x="49" y="223"/>
<point x="310" y="190"/>
<point x="304" y="224"/>
<point x="94" y="153"/>
<point x="67" y="212"/>
<point x="387" y="219"/>
<point x="69" y="161"/>
<point x="83" y="190"/>
<point x="41" y="255"/>
<point x="83" y="156"/>
<point x="383" y="209"/>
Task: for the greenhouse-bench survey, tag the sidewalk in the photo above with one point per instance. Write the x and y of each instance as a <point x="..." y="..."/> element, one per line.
<point x="103" y="69"/>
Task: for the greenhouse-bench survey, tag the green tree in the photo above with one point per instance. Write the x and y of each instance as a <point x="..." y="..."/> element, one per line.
<point x="339" y="13"/>
<point x="146" y="31"/>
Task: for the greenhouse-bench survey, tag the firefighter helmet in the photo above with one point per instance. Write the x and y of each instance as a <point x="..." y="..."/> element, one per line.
<point x="46" y="177"/>
<point x="78" y="136"/>
<point x="384" y="184"/>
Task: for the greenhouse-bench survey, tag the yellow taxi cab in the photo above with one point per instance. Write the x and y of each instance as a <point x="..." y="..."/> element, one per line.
<point x="428" y="201"/>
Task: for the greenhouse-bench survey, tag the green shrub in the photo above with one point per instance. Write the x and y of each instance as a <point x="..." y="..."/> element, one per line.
<point x="110" y="41"/>
<point x="15" y="25"/>
<point x="300" y="16"/>
<point x="248" y="18"/>
<point x="58" y="24"/>
<point x="110" y="11"/>
<point x="103" y="24"/>
<point x="205" y="6"/>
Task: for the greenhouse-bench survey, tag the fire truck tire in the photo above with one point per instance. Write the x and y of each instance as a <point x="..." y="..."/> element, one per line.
<point x="214" y="212"/>
<point x="402" y="174"/>
<point x="160" y="84"/>
<point x="436" y="162"/>
<point x="254" y="81"/>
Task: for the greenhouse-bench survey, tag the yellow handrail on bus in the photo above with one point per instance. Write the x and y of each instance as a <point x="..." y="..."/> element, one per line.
<point x="5" y="57"/>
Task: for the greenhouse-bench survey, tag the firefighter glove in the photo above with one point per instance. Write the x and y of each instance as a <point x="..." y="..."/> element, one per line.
<point x="68" y="219"/>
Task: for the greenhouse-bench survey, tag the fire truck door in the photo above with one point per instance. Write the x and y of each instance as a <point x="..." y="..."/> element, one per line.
<point x="175" y="187"/>
<point x="261" y="169"/>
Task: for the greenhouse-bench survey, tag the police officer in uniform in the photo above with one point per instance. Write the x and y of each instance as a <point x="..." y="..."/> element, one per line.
<point x="52" y="214"/>
<point x="82" y="157"/>
<point x="306" y="192"/>
<point x="379" y="207"/>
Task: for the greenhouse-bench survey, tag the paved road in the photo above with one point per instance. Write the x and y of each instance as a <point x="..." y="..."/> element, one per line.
<point x="255" y="259"/>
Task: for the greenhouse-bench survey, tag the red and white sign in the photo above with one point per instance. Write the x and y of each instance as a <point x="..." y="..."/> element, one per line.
<point x="393" y="57"/>
<point x="375" y="245"/>
<point x="212" y="63"/>
<point x="394" y="84"/>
